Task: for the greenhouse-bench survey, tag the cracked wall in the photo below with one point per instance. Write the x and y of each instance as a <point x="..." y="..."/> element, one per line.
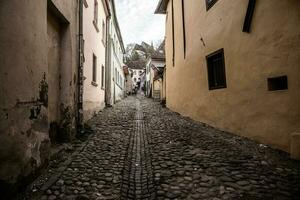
<point x="26" y="85"/>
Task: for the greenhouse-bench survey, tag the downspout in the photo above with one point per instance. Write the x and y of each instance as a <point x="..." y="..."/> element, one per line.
<point x="80" y="126"/>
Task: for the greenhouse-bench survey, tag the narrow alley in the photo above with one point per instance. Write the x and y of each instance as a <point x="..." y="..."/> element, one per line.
<point x="149" y="100"/>
<point x="141" y="150"/>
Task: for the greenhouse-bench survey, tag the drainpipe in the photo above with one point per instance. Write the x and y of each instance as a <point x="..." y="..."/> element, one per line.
<point x="80" y="127"/>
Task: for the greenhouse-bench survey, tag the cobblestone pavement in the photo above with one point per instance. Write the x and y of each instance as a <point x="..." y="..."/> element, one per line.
<point x="139" y="150"/>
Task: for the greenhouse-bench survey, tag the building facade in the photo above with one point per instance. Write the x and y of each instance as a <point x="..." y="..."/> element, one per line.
<point x="95" y="14"/>
<point x="153" y="65"/>
<point x="235" y="65"/>
<point x="128" y="80"/>
<point x="115" y="78"/>
<point x="137" y="77"/>
<point x="38" y="79"/>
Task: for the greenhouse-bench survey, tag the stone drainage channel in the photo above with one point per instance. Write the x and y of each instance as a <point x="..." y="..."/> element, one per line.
<point x="138" y="179"/>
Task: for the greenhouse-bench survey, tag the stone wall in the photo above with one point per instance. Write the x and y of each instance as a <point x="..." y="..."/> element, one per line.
<point x="25" y="83"/>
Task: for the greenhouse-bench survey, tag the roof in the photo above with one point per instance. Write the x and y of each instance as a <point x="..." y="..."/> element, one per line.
<point x="117" y="26"/>
<point x="162" y="7"/>
<point x="139" y="64"/>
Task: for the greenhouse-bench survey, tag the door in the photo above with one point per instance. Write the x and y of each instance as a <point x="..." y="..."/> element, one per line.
<point x="54" y="41"/>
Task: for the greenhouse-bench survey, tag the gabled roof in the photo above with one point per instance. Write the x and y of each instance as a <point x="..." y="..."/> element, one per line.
<point x="162" y="7"/>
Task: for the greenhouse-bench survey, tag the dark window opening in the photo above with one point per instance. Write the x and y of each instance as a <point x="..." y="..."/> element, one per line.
<point x="210" y="3"/>
<point x="173" y="34"/>
<point x="183" y="27"/>
<point x="94" y="68"/>
<point x="278" y="83"/>
<point x="216" y="70"/>
<point x="102" y="77"/>
<point x="249" y="16"/>
<point x="96" y="12"/>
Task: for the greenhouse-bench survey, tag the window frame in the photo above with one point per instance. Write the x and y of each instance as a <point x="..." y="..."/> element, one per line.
<point x="96" y="15"/>
<point x="94" y="71"/>
<point x="103" y="32"/>
<point x="209" y="58"/>
<point x="102" y="76"/>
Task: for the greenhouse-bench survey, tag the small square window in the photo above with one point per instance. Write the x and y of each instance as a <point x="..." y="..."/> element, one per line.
<point x="216" y="70"/>
<point x="278" y="83"/>
<point x="210" y="3"/>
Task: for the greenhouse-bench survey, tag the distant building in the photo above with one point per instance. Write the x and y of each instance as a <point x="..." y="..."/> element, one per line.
<point x="128" y="80"/>
<point x="154" y="66"/>
<point x="235" y="65"/>
<point x="137" y="76"/>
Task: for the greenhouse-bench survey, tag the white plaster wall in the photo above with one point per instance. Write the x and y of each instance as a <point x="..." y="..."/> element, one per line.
<point x="117" y="88"/>
<point x="93" y="94"/>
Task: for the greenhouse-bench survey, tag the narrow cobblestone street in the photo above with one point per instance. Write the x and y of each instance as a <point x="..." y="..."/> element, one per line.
<point x="140" y="150"/>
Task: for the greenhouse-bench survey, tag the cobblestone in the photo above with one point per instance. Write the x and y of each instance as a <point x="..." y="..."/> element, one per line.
<point x="140" y="150"/>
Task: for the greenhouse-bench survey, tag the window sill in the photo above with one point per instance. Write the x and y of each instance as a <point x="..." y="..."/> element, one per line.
<point x="218" y="87"/>
<point x="94" y="83"/>
<point x="96" y="26"/>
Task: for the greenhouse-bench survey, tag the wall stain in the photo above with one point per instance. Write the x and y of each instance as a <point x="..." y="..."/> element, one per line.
<point x="65" y="128"/>
<point x="43" y="93"/>
<point x="34" y="112"/>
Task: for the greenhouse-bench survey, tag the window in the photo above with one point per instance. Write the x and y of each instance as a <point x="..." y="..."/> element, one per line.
<point x="249" y="16"/>
<point x="216" y="70"/>
<point x="278" y="83"/>
<point x="102" y="77"/>
<point x="183" y="27"/>
<point x="95" y="22"/>
<point x="210" y="3"/>
<point x="94" y="68"/>
<point x="103" y="32"/>
<point x="85" y="3"/>
<point x="173" y="35"/>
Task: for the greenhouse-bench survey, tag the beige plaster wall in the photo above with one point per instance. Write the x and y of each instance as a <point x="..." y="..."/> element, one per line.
<point x="164" y="86"/>
<point x="245" y="107"/>
<point x="94" y="94"/>
<point x="24" y="84"/>
<point x="128" y="83"/>
<point x="68" y="10"/>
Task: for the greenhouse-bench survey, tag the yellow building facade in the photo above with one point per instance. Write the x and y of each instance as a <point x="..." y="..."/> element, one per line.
<point x="235" y="65"/>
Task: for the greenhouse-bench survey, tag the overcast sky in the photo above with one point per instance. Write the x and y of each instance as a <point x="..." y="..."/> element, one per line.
<point x="138" y="22"/>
